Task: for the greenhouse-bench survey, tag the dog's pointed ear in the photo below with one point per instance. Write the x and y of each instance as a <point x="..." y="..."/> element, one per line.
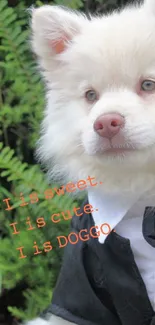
<point x="149" y="5"/>
<point x="53" y="28"/>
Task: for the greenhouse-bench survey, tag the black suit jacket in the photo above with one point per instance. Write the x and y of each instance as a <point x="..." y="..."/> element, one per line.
<point x="100" y="284"/>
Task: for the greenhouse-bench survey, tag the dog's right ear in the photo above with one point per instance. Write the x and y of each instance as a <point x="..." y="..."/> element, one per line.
<point x="53" y="29"/>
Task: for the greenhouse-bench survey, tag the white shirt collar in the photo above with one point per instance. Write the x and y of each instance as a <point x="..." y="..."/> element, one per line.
<point x="109" y="208"/>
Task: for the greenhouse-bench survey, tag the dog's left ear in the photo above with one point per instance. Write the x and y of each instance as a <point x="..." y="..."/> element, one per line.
<point x="53" y="30"/>
<point x="149" y="5"/>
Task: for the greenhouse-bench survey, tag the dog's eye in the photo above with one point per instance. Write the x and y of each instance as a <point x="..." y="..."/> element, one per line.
<point x="148" y="85"/>
<point x="91" y="95"/>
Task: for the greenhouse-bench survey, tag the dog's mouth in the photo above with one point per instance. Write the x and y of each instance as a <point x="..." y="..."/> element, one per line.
<point x="118" y="148"/>
<point x="118" y="151"/>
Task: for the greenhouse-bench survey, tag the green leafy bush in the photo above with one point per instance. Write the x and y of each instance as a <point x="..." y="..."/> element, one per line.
<point x="20" y="115"/>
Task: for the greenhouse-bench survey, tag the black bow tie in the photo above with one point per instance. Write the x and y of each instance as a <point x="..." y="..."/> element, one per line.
<point x="148" y="226"/>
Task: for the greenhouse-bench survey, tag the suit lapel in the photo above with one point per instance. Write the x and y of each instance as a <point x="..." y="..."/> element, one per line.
<point x="148" y="226"/>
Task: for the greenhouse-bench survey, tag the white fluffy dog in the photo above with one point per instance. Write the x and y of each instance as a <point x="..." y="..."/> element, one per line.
<point x="100" y="113"/>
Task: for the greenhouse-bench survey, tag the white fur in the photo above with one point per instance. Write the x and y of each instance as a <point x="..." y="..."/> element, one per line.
<point x="150" y="6"/>
<point x="37" y="321"/>
<point x="109" y="53"/>
<point x="54" y="320"/>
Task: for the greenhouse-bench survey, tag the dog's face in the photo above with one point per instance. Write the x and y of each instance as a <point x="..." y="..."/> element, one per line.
<point x="100" y="74"/>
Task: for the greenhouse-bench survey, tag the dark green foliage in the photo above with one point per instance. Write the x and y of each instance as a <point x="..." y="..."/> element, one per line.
<point x="30" y="280"/>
